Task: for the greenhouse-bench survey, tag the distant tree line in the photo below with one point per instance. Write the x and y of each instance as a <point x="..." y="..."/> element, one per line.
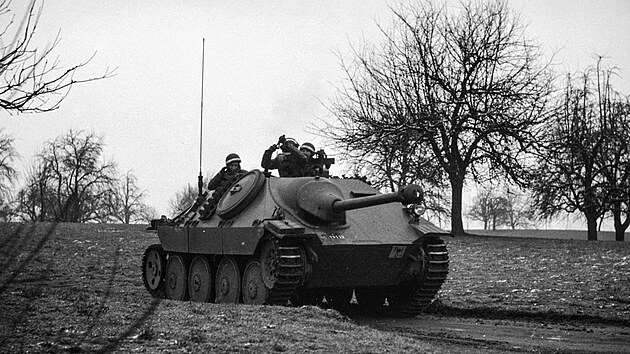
<point x="502" y="207"/>
<point x="459" y="95"/>
<point x="70" y="181"/>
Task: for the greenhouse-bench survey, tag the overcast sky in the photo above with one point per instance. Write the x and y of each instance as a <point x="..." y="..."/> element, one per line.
<point x="269" y="65"/>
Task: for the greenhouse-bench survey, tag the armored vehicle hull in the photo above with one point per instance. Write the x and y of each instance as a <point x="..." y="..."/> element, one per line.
<point x="303" y="241"/>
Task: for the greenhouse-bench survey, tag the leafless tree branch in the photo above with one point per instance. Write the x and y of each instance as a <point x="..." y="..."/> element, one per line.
<point x="31" y="79"/>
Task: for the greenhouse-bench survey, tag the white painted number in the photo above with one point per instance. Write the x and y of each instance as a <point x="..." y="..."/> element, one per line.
<point x="397" y="251"/>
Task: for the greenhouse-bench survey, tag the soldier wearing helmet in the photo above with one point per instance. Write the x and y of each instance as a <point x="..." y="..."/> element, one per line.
<point x="311" y="167"/>
<point x="290" y="162"/>
<point x="317" y="163"/>
<point x="223" y="180"/>
<point x="228" y="174"/>
<point x="308" y="149"/>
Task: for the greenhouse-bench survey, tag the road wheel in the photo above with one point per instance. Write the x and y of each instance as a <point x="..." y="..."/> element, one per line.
<point x="200" y="280"/>
<point x="176" y="278"/>
<point x="254" y="290"/>
<point x="153" y="264"/>
<point x="228" y="284"/>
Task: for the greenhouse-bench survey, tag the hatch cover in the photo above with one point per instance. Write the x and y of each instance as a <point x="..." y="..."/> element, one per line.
<point x="240" y="194"/>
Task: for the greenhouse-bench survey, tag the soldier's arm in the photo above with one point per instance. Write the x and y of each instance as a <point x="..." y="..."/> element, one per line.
<point x="267" y="162"/>
<point x="297" y="153"/>
<point x="215" y="181"/>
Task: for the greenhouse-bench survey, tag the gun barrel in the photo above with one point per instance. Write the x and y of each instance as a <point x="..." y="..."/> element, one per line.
<point x="407" y="195"/>
<point x="350" y="204"/>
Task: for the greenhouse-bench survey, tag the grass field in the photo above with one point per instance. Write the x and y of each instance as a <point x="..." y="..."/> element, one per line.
<point x="549" y="234"/>
<point x="560" y="277"/>
<point x="78" y="288"/>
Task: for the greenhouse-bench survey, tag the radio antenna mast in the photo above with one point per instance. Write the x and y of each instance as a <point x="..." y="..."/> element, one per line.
<point x="200" y="178"/>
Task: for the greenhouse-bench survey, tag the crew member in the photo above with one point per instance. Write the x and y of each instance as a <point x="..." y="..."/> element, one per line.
<point x="308" y="149"/>
<point x="290" y="162"/>
<point x="311" y="167"/>
<point x="222" y="181"/>
<point x="228" y="174"/>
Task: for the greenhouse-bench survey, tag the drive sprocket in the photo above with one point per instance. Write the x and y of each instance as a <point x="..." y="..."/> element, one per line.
<point x="282" y="268"/>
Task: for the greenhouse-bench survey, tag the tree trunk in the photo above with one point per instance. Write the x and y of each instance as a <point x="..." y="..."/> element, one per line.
<point x="457" y="225"/>
<point x="591" y="223"/>
<point x="620" y="227"/>
<point x="42" y="212"/>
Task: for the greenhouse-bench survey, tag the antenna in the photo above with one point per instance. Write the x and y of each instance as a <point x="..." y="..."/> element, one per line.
<point x="200" y="178"/>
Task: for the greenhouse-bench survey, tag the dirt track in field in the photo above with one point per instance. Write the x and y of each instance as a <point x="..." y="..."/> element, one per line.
<point x="508" y="335"/>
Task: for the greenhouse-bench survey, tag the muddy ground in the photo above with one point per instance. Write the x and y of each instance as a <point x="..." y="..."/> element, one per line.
<point x="77" y="288"/>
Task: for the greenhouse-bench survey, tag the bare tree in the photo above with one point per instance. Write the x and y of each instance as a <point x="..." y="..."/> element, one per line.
<point x="618" y="182"/>
<point x="489" y="208"/>
<point x="32" y="80"/>
<point x="501" y="205"/>
<point x="8" y="155"/>
<point x="34" y="197"/>
<point x="183" y="199"/>
<point x="125" y="203"/>
<point x="70" y="180"/>
<point x="466" y="89"/>
<point x="572" y="168"/>
<point x="615" y="108"/>
<point x="8" y="174"/>
<point x="519" y="210"/>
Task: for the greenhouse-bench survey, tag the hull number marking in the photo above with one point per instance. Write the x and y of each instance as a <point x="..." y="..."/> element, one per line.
<point x="397" y="251"/>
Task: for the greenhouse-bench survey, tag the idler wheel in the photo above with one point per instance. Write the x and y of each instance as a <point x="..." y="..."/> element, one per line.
<point x="254" y="290"/>
<point x="176" y="278"/>
<point x="153" y="264"/>
<point x="200" y="280"/>
<point x="228" y="286"/>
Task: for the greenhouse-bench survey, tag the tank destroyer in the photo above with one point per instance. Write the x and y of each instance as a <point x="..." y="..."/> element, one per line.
<point x="303" y="240"/>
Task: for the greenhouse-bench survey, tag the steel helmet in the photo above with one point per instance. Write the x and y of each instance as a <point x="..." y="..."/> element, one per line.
<point x="292" y="141"/>
<point x="308" y="146"/>
<point x="232" y="158"/>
